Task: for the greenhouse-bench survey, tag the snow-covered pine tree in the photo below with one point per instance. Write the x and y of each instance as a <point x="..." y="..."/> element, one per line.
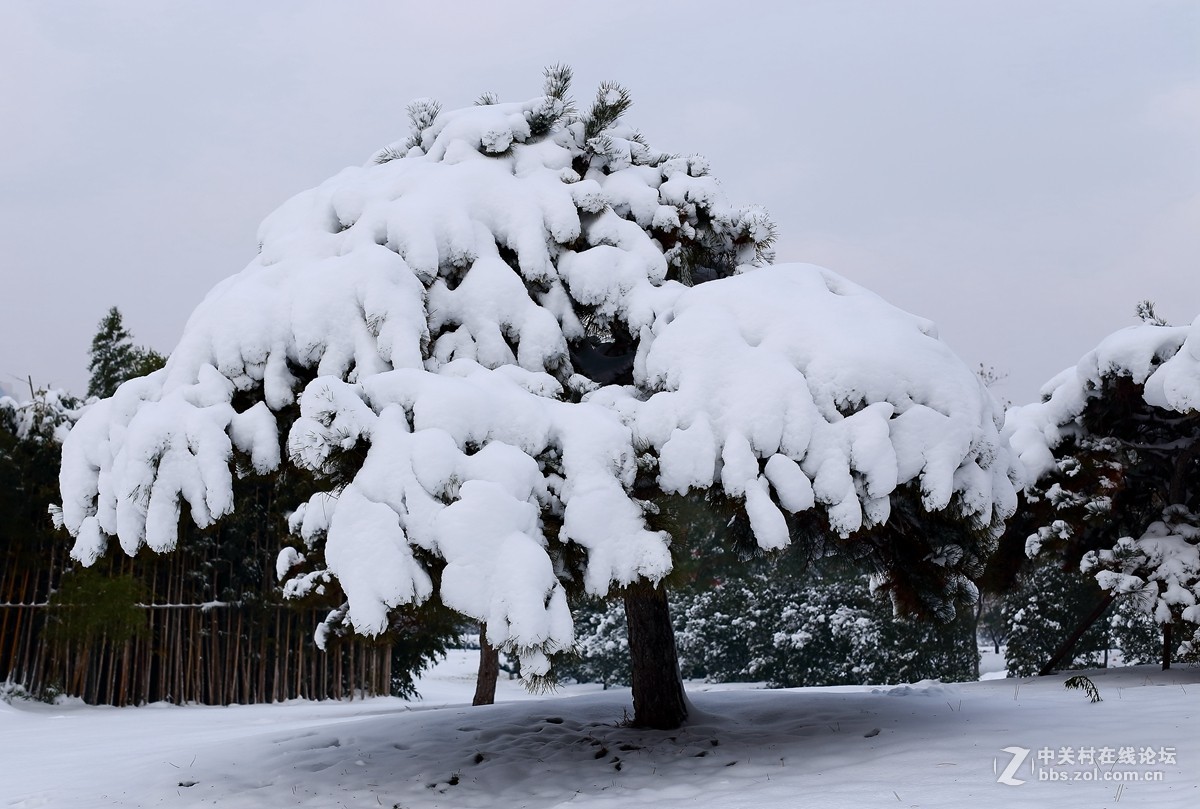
<point x="1136" y="636"/>
<point x="1043" y="606"/>
<point x="513" y="337"/>
<point x="113" y="358"/>
<point x="1114" y="451"/>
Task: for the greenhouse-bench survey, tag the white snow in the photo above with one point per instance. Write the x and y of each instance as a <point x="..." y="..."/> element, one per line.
<point x="796" y="361"/>
<point x="929" y="745"/>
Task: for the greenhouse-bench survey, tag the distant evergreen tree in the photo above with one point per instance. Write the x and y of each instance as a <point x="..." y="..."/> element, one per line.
<point x="1044" y="606"/>
<point x="114" y="358"/>
<point x="722" y="630"/>
<point x="989" y="620"/>
<point x="1134" y="633"/>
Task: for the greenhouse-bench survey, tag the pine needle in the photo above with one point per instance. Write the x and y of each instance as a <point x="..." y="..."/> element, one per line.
<point x="1082" y="683"/>
<point x="612" y="101"/>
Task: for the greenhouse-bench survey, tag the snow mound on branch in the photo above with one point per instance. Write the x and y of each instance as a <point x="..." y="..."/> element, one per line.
<point x="1165" y="360"/>
<point x="478" y="510"/>
<point x="419" y="314"/>
<point x="793" y="379"/>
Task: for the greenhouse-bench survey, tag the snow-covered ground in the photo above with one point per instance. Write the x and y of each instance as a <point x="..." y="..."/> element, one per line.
<point x="924" y="745"/>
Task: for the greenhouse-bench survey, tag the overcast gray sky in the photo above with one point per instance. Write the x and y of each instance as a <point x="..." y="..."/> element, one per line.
<point x="1022" y="173"/>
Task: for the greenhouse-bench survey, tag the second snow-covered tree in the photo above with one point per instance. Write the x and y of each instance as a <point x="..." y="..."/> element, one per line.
<point x="1113" y="452"/>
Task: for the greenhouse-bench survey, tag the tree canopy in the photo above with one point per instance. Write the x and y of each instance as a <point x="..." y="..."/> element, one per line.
<point x="508" y="342"/>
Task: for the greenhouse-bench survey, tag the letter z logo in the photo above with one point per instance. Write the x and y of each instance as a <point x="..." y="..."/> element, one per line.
<point x="1019" y="754"/>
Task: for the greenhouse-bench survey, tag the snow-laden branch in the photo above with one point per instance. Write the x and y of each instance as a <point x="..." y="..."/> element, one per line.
<point x="1164" y="360"/>
<point x="1161" y="567"/>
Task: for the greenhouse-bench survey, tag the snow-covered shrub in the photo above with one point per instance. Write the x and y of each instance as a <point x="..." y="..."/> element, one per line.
<point x="46" y="417"/>
<point x="823" y="628"/>
<point x="721" y="629"/>
<point x="601" y="652"/>
<point x="10" y="691"/>
<point x="503" y="340"/>
<point x="15" y="692"/>
<point x="834" y="631"/>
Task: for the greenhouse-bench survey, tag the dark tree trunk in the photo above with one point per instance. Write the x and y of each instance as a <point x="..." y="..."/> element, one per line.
<point x="1069" y="644"/>
<point x="1166" y="649"/>
<point x="658" y="698"/>
<point x="489" y="670"/>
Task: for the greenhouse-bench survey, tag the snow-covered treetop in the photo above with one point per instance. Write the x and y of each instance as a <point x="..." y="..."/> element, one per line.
<point x="487" y="335"/>
<point x="1163" y="360"/>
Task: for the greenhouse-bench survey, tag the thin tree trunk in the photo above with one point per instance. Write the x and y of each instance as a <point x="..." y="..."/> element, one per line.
<point x="126" y="667"/>
<point x="387" y="670"/>
<point x="19" y="651"/>
<point x="338" y="665"/>
<point x="148" y="646"/>
<point x="281" y="650"/>
<point x="658" y="698"/>
<point x="9" y="651"/>
<point x="260" y="694"/>
<point x="153" y="667"/>
<point x="489" y="670"/>
<point x="109" y="683"/>
<point x="233" y="670"/>
<point x="1166" y="647"/>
